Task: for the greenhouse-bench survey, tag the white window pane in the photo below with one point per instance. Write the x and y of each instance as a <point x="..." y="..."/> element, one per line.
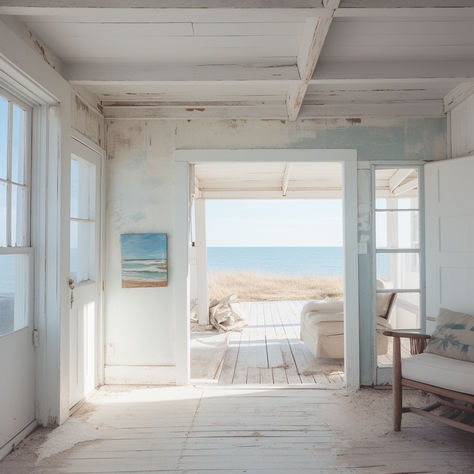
<point x="399" y="270"/>
<point x="82" y="179"/>
<point x="396" y="230"/>
<point x="3" y="215"/>
<point x="14" y="292"/>
<point x="74" y="188"/>
<point x="3" y="137"/>
<point x="18" y="145"/>
<point x="405" y="314"/>
<point x="82" y="251"/>
<point x="396" y="188"/>
<point x="19" y="216"/>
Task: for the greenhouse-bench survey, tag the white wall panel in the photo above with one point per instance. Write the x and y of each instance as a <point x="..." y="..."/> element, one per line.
<point x="449" y="236"/>
<point x="462" y="128"/>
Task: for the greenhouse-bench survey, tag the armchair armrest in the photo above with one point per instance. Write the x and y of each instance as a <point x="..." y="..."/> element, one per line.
<point x="408" y="334"/>
<point x="417" y="341"/>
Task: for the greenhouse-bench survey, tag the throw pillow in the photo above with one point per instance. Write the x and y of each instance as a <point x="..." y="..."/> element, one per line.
<point x="453" y="336"/>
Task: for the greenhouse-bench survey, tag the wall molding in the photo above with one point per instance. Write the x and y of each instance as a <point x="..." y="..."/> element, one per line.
<point x="140" y="374"/>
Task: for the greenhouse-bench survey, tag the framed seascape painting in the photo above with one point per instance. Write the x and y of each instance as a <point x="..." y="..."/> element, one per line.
<point x="144" y="260"/>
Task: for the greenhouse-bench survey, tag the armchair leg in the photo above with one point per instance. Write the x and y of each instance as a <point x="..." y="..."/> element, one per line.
<point x="397" y="385"/>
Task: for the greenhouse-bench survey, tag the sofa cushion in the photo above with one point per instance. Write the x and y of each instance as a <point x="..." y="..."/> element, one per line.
<point x="453" y="336"/>
<point x="432" y="369"/>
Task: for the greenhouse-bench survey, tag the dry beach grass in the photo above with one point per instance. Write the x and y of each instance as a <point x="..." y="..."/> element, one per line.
<point x="250" y="286"/>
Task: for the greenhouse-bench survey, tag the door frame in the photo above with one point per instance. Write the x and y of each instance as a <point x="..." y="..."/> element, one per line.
<point x="179" y="279"/>
<point x="85" y="142"/>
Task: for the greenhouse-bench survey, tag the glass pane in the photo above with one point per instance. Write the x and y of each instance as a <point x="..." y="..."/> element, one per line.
<point x="3" y="137"/>
<point x="82" y="190"/>
<point x="82" y="253"/>
<point x="399" y="270"/>
<point x="396" y="188"/>
<point x="397" y="229"/>
<point x="14" y="292"/>
<point x="3" y="214"/>
<point x="19" y="226"/>
<point x="18" y="145"/>
<point x="405" y="314"/>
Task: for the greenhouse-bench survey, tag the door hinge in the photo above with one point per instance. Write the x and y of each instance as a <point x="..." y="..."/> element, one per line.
<point x="35" y="338"/>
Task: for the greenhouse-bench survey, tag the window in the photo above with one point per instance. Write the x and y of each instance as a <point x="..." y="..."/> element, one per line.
<point x="82" y="251"/>
<point x="397" y="253"/>
<point x="16" y="255"/>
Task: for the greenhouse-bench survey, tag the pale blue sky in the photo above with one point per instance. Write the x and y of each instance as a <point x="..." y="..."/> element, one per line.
<point x="276" y="223"/>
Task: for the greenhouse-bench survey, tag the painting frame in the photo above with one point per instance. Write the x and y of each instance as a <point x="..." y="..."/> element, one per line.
<point x="144" y="260"/>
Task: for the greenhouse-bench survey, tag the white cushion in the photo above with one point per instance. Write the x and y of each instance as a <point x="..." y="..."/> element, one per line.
<point x="444" y="372"/>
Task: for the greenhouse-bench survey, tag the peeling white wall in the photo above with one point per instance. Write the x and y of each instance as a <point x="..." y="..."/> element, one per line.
<point x="139" y="326"/>
<point x="87" y="119"/>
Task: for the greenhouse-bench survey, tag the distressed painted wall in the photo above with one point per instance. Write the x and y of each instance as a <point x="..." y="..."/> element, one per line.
<point x="139" y="326"/>
<point x="87" y="120"/>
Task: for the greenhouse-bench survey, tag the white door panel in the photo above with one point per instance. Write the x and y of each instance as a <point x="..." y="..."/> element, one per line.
<point x="84" y="271"/>
<point x="449" y="236"/>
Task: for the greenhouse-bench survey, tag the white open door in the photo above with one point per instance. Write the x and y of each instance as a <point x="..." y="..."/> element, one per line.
<point x="449" y="237"/>
<point x="84" y="270"/>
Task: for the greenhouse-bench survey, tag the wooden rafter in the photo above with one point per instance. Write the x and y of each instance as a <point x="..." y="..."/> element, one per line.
<point x="311" y="46"/>
<point x="398" y="177"/>
<point x="404" y="188"/>
<point x="285" y="180"/>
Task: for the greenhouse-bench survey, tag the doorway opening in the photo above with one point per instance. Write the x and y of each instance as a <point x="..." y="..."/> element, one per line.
<point x="268" y="260"/>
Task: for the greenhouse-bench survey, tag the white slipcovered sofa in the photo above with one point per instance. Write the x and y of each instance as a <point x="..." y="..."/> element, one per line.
<point x="322" y="326"/>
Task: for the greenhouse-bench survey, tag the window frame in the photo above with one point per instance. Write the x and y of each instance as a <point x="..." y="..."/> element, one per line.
<point x="25" y="248"/>
<point x="90" y="221"/>
<point x="421" y="290"/>
<point x="12" y="100"/>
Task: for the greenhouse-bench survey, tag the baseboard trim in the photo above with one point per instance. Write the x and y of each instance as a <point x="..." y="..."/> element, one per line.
<point x="6" y="449"/>
<point x="140" y="374"/>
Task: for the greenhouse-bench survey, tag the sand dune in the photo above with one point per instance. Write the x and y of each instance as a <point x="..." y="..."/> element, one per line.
<point x="249" y="286"/>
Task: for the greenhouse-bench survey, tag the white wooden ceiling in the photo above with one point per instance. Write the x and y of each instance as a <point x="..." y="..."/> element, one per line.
<point x="259" y="59"/>
<point x="291" y="180"/>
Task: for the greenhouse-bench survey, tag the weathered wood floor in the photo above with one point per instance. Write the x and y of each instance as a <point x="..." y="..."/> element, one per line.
<point x="269" y="350"/>
<point x="242" y="429"/>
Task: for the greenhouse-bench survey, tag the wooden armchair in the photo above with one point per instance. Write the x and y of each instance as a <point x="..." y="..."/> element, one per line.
<point x="462" y="402"/>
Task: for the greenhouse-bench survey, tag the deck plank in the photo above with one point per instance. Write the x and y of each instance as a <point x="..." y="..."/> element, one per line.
<point x="272" y="341"/>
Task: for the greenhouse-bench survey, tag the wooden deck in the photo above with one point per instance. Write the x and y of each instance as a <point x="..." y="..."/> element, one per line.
<point x="241" y="430"/>
<point x="269" y="350"/>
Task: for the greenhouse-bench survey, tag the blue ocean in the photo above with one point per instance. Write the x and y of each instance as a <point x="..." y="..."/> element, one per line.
<point x="295" y="261"/>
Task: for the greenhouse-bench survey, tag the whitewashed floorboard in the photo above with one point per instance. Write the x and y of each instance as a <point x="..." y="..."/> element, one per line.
<point x="229" y="429"/>
<point x="269" y="350"/>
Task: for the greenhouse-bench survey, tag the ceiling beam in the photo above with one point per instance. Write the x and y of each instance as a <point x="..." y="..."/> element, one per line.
<point x="141" y="11"/>
<point x="332" y="71"/>
<point x="314" y="35"/>
<point x="209" y="111"/>
<point x="285" y="180"/>
<point x="273" y="111"/>
<point x="457" y="95"/>
<point x="398" y="177"/>
<point x="94" y="73"/>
